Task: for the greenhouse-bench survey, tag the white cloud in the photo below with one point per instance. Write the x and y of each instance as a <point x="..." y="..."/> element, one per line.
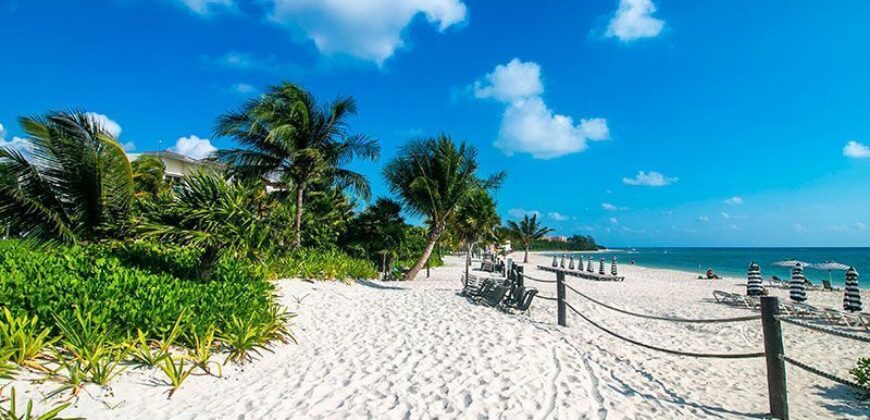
<point x="858" y="226"/>
<point x="107" y="123"/>
<point x="519" y="213"/>
<point x="612" y="207"/>
<point x="559" y="217"/>
<point x="702" y="219"/>
<point x="799" y="228"/>
<point x="204" y="7"/>
<point x="243" y="89"/>
<point x="854" y="149"/>
<point x="193" y="147"/>
<point x="633" y="20"/>
<point x="651" y="179"/>
<point x="17" y="143"/>
<point x="528" y="125"/>
<point x="512" y="81"/>
<point x="128" y="146"/>
<point x="734" y="201"/>
<point x="367" y="29"/>
<point x="614" y="220"/>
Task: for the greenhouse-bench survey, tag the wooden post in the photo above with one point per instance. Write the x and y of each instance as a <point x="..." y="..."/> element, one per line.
<point x="773" y="350"/>
<point x="560" y="297"/>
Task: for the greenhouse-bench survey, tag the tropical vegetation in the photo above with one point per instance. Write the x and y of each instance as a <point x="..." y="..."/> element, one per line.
<point x="527" y="231"/>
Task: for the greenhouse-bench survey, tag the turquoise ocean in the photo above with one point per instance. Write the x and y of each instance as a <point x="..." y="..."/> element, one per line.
<point x="734" y="261"/>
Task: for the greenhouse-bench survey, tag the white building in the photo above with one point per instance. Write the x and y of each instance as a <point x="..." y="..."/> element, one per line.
<point x="177" y="165"/>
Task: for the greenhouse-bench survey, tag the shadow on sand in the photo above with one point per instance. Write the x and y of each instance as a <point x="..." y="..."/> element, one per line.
<point x="380" y="286"/>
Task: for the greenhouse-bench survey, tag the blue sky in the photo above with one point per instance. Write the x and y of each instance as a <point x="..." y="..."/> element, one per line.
<point x="663" y="123"/>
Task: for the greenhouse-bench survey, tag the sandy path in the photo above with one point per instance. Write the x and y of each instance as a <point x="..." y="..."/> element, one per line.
<point x="416" y="350"/>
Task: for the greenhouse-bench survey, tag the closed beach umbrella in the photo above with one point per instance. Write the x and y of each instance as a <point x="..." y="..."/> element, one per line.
<point x="601" y="266"/>
<point x="852" y="298"/>
<point x="571" y="263"/>
<point x="753" y="283"/>
<point x="562" y="262"/>
<point x="613" y="266"/>
<point x="555" y="264"/>
<point x="798" y="285"/>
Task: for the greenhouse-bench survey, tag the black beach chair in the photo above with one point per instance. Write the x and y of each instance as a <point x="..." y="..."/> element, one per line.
<point x="493" y="294"/>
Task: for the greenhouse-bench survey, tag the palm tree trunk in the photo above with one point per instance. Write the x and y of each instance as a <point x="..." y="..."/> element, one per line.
<point x="526" y="258"/>
<point x="427" y="252"/>
<point x="468" y="262"/>
<point x="300" y="192"/>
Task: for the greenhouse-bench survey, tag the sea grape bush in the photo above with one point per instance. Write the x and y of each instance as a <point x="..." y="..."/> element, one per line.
<point x="321" y="264"/>
<point x="57" y="283"/>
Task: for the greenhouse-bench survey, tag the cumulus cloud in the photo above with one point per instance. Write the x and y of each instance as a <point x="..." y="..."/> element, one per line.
<point x="107" y="123"/>
<point x="511" y="81"/>
<point x="854" y="149"/>
<point x="367" y="29"/>
<point x="528" y="125"/>
<point x="633" y="20"/>
<point x="519" y="213"/>
<point x="559" y="217"/>
<point x="650" y="179"/>
<point x="734" y="201"/>
<point x="205" y="7"/>
<point x="193" y="147"/>
<point x="16" y="143"/>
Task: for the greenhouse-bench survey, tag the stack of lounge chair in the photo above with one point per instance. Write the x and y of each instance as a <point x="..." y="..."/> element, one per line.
<point x="507" y="294"/>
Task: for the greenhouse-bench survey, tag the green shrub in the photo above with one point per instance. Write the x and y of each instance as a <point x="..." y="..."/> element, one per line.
<point x="60" y="283"/>
<point x="320" y="264"/>
<point x="861" y="372"/>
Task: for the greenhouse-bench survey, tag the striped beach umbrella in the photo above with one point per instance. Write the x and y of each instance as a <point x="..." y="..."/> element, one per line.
<point x="852" y="298"/>
<point x="589" y="265"/>
<point x="601" y="266"/>
<point x="753" y="283"/>
<point x="613" y="270"/>
<point x="798" y="285"/>
<point x="555" y="264"/>
<point x="571" y="263"/>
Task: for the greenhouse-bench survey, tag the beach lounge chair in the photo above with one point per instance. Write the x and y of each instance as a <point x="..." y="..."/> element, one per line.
<point x="723" y="297"/>
<point x="802" y="309"/>
<point x="472" y="285"/>
<point x="493" y="294"/>
<point x="838" y="317"/>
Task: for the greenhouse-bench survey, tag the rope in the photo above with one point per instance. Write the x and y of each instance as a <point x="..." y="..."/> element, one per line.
<point x="665" y="318"/>
<point x="526" y="276"/>
<point x="546" y="297"/>
<point x="826" y="375"/>
<point x="664" y="350"/>
<point x="819" y="328"/>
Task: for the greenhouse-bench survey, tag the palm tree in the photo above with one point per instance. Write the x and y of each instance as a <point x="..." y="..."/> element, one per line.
<point x="431" y="177"/>
<point x="73" y="185"/>
<point x="527" y="231"/>
<point x="476" y="219"/>
<point x="286" y="135"/>
<point x="148" y="174"/>
<point x="215" y="215"/>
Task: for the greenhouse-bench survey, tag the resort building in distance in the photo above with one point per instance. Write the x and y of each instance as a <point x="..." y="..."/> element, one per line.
<point x="177" y="165"/>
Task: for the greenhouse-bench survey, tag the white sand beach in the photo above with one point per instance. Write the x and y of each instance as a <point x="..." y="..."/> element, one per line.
<point x="417" y="350"/>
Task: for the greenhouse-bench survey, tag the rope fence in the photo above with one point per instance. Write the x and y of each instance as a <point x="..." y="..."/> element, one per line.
<point x="825" y="375"/>
<point x="664" y="350"/>
<point x="772" y="332"/>
<point x="826" y="330"/>
<point x="665" y="318"/>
